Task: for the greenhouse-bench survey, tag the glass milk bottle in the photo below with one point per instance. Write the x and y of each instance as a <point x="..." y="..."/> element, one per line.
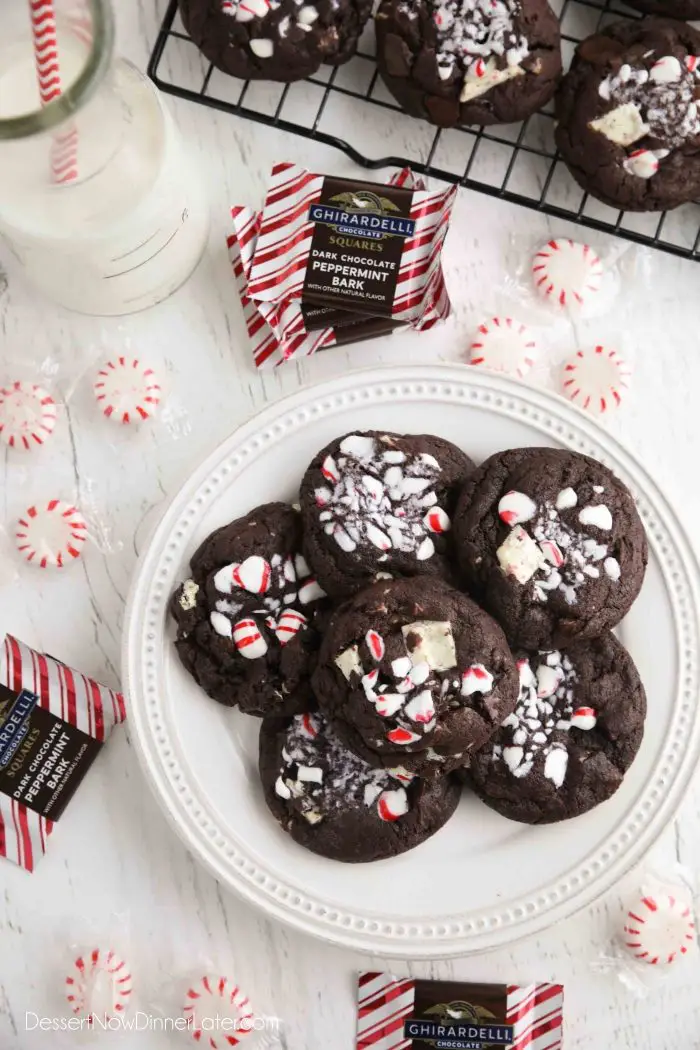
<point x="99" y="202"/>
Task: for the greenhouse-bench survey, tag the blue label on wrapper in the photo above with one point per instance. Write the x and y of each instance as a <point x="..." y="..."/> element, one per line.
<point x="375" y="223"/>
<point x="15" y="714"/>
<point x="459" y="1036"/>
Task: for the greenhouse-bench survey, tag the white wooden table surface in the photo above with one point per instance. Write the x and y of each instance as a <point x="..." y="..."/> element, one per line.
<point x="115" y="873"/>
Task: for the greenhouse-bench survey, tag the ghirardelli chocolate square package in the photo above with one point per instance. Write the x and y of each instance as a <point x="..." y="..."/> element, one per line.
<point x="404" y="1013"/>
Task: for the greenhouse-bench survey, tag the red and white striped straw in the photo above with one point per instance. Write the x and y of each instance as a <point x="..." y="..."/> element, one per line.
<point x="64" y="148"/>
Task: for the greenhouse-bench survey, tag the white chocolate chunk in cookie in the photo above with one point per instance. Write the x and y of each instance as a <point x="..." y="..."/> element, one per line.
<point x="430" y="642"/>
<point x="349" y="661"/>
<point x="622" y="125"/>
<point x="188" y="596"/>
<point x="482" y="76"/>
<point x="519" y="556"/>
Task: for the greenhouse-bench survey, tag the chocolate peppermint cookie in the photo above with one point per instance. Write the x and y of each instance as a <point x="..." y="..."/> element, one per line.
<point x="414" y="675"/>
<point x="282" y="40"/>
<point x="247" y="617"/>
<point x="628" y="119"/>
<point x="469" y="61"/>
<point x="572" y="737"/>
<point x="379" y="504"/>
<point x="335" y="804"/>
<point x="686" y="10"/>
<point x="551" y="544"/>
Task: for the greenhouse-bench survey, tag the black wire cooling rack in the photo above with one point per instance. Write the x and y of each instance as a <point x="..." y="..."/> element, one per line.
<point x="517" y="163"/>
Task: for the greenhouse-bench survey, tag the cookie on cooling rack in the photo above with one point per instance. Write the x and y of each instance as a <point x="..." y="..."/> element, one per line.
<point x="551" y="543"/>
<point x="686" y="10"/>
<point x="335" y="804"/>
<point x="380" y="504"/>
<point x="458" y="62"/>
<point x="282" y="40"/>
<point x="247" y="616"/>
<point x="413" y="674"/>
<point x="628" y="117"/>
<point x="575" y="731"/>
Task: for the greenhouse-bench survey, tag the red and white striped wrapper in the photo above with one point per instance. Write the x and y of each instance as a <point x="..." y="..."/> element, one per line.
<point x="277" y="330"/>
<point x="385" y="1002"/>
<point x="69" y="695"/>
<point x="283" y="246"/>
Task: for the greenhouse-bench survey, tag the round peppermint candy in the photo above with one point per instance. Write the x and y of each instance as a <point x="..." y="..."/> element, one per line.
<point x="52" y="534"/>
<point x="567" y="273"/>
<point x="660" y="927"/>
<point x="209" y="1002"/>
<point x="99" y="986"/>
<point x="504" y="345"/>
<point x="127" y="390"/>
<point x="27" y="415"/>
<point x="596" y="379"/>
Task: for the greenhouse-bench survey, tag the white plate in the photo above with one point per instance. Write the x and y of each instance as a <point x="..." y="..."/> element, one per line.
<point x="482" y="880"/>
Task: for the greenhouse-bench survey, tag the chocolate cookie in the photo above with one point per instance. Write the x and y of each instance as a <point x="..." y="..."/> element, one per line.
<point x="247" y="617"/>
<point x="414" y="675"/>
<point x="469" y="61"/>
<point x="380" y="503"/>
<point x="628" y="120"/>
<point x="573" y="736"/>
<point x="333" y="803"/>
<point x="551" y="544"/>
<point x="282" y="40"/>
<point x="685" y="10"/>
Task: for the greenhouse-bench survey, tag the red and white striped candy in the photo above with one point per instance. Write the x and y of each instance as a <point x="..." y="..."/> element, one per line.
<point x="310" y="726"/>
<point x="51" y="535"/>
<point x="247" y="10"/>
<point x="310" y="591"/>
<point x="127" y="390"/>
<point x="659" y="928"/>
<point x="289" y="625"/>
<point x="99" y="985"/>
<point x="402" y="736"/>
<point x="476" y="679"/>
<point x="552" y="552"/>
<point x="392" y="804"/>
<point x="27" y="415"/>
<point x="692" y="62"/>
<point x="596" y="379"/>
<point x="516" y="507"/>
<point x="643" y="163"/>
<point x="567" y="273"/>
<point x="584" y="718"/>
<point x="252" y="575"/>
<point x="504" y="345"/>
<point x="421" y="708"/>
<point x="387" y="704"/>
<point x="666" y="70"/>
<point x="375" y="644"/>
<point x="400" y="773"/>
<point x="211" y="1000"/>
<point x="329" y="469"/>
<point x="248" y="639"/>
<point x="437" y="520"/>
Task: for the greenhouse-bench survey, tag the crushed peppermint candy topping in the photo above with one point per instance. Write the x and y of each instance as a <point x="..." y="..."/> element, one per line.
<point x="412" y="678"/>
<point x="557" y="556"/>
<point x="258" y="600"/>
<point x="321" y="775"/>
<point x="545" y="710"/>
<point x="664" y="95"/>
<point x="377" y="496"/>
<point x="470" y="31"/>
